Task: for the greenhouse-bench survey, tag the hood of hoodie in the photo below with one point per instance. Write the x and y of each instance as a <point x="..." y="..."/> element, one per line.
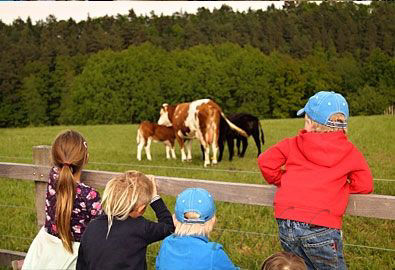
<point x="324" y="149"/>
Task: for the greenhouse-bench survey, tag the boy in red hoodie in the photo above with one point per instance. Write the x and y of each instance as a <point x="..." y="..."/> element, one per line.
<point x="314" y="173"/>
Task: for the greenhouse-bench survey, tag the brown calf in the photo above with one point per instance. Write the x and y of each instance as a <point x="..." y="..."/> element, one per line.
<point x="148" y="132"/>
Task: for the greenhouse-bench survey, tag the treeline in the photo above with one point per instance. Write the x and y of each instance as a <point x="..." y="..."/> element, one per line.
<point x="130" y="85"/>
<point x="120" y="70"/>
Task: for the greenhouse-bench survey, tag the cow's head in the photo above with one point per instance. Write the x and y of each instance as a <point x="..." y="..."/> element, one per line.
<point x="164" y="116"/>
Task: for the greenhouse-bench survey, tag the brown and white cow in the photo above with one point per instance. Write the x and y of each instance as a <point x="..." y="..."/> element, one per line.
<point x="198" y="119"/>
<point x="148" y="132"/>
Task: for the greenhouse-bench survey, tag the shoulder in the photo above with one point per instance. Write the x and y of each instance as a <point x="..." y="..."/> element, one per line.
<point x="168" y="240"/>
<point x="54" y="174"/>
<point x="88" y="199"/>
<point x="87" y="192"/>
<point x="283" y="146"/>
<point x="215" y="246"/>
<point x="95" y="225"/>
<point x="356" y="153"/>
<point x="286" y="141"/>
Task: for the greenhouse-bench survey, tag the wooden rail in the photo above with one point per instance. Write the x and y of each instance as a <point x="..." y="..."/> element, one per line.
<point x="376" y="206"/>
<point x="372" y="205"/>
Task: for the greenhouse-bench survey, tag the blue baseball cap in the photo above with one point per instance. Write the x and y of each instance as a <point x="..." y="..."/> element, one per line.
<point x="196" y="200"/>
<point x="323" y="105"/>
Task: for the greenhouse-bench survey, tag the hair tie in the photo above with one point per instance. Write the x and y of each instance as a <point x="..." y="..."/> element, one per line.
<point x="67" y="164"/>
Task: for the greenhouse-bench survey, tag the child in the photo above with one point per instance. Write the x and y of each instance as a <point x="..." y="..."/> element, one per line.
<point x="69" y="207"/>
<point x="284" y="261"/>
<point x="119" y="239"/>
<point x="322" y="167"/>
<point x="189" y="248"/>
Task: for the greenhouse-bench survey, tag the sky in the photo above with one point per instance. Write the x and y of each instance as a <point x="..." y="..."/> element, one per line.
<point x="79" y="10"/>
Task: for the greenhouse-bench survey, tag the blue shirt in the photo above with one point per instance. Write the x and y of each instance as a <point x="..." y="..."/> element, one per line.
<point x="192" y="253"/>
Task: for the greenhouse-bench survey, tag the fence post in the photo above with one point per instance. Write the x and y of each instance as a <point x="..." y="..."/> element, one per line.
<point x="41" y="156"/>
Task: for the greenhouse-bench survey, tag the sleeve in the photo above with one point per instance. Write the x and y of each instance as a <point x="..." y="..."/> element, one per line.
<point x="271" y="161"/>
<point x="93" y="205"/>
<point x="361" y="179"/>
<point x="221" y="261"/>
<point x="156" y="231"/>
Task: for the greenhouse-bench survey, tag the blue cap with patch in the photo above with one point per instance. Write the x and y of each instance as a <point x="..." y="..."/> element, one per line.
<point x="323" y="105"/>
<point x="196" y="200"/>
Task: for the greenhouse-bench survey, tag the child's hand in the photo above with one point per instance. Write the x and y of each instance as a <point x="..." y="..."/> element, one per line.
<point x="155" y="190"/>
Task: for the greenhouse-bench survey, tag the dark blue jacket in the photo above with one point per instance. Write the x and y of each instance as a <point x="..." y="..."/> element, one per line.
<point x="126" y="245"/>
<point x="192" y="253"/>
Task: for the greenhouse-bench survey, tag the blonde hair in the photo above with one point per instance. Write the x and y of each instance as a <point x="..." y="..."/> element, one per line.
<point x="70" y="154"/>
<point x="337" y="117"/>
<point x="202" y="229"/>
<point x="284" y="261"/>
<point x="124" y="193"/>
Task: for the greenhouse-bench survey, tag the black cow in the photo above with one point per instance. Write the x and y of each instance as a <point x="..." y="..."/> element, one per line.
<point x="249" y="124"/>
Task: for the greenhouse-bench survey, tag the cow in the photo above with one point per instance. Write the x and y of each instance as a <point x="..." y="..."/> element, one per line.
<point x="250" y="124"/>
<point x="148" y="132"/>
<point x="198" y="119"/>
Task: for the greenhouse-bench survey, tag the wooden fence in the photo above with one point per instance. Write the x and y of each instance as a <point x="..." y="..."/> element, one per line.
<point x="376" y="206"/>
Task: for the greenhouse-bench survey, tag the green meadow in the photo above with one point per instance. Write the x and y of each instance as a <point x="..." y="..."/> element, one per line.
<point x="248" y="233"/>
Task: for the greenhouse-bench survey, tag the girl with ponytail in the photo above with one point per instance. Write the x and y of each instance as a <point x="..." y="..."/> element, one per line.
<point x="69" y="206"/>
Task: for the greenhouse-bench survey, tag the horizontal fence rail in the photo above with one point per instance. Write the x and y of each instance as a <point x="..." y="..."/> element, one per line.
<point x="180" y="168"/>
<point x="372" y="205"/>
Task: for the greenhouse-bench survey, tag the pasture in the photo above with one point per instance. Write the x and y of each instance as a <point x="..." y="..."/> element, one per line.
<point x="248" y="233"/>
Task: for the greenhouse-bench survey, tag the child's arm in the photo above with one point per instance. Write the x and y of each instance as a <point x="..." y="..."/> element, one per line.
<point x="156" y="231"/>
<point x="271" y="161"/>
<point x="361" y="179"/>
<point x="165" y="226"/>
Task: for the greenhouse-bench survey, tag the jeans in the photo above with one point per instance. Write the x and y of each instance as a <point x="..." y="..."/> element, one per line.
<point x="321" y="248"/>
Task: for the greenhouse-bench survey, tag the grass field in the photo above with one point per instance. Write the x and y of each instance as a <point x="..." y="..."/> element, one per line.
<point x="248" y="233"/>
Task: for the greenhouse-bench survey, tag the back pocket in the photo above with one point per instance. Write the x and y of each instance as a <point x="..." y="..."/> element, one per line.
<point x="322" y="254"/>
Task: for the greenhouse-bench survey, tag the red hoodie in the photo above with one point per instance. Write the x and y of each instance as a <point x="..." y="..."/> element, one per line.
<point x="321" y="170"/>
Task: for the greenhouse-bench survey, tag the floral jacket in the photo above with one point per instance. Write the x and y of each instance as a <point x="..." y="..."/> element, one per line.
<point x="87" y="206"/>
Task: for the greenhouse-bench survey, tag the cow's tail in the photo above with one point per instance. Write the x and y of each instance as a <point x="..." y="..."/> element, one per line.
<point x="262" y="134"/>
<point x="234" y="127"/>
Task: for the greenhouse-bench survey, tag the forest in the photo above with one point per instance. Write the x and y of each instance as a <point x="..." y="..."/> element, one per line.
<point x="120" y="69"/>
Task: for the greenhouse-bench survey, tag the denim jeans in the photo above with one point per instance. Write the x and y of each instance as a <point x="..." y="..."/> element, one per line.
<point x="321" y="248"/>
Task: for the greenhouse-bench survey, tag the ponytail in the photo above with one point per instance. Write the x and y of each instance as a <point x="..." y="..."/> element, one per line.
<point x="70" y="153"/>
<point x="65" y="193"/>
